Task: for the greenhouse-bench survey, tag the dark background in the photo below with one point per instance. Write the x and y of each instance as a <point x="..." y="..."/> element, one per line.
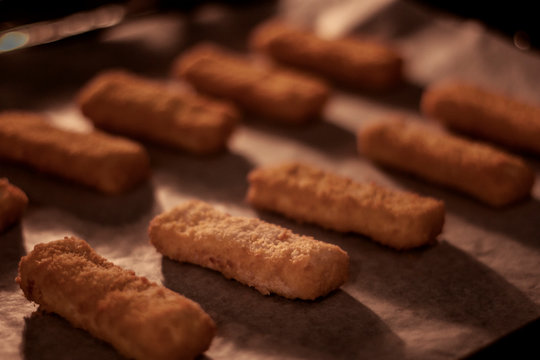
<point x="507" y="17"/>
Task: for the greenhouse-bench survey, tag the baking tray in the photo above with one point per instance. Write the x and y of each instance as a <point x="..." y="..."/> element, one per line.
<point x="478" y="283"/>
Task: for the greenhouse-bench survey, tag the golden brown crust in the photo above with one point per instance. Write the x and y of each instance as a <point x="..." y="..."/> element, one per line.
<point x="108" y="163"/>
<point x="357" y="62"/>
<point x="141" y="319"/>
<point x="127" y="104"/>
<point x="275" y="93"/>
<point x="13" y="202"/>
<point x="267" y="257"/>
<point x="397" y="219"/>
<point x="479" y="112"/>
<point x="488" y="174"/>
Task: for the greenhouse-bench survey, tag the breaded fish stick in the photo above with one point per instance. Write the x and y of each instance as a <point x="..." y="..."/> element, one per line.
<point x="274" y="93"/>
<point x="397" y="219"/>
<point x="479" y="112"/>
<point x="13" y="202"/>
<point x="131" y="105"/>
<point x="486" y="173"/>
<point x="356" y="62"/>
<point x="107" y="163"/>
<point x="267" y="257"/>
<point x="141" y="319"/>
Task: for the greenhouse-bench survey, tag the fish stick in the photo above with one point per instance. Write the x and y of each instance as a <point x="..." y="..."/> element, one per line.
<point x="475" y="111"/>
<point x="268" y="257"/>
<point x="13" y="202"/>
<point x="398" y="219"/>
<point x="107" y="163"/>
<point x="139" y="318"/>
<point x="479" y="170"/>
<point x="274" y="93"/>
<point x="353" y="61"/>
<point x="130" y="105"/>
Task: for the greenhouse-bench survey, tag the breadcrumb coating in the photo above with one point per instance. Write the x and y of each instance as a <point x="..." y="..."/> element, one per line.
<point x="354" y="61"/>
<point x="131" y="105"/>
<point x="283" y="95"/>
<point x="268" y="257"/>
<point x="398" y="219"/>
<point x="141" y="319"/>
<point x="13" y="202"/>
<point x="477" y="169"/>
<point x="482" y="113"/>
<point x="107" y="163"/>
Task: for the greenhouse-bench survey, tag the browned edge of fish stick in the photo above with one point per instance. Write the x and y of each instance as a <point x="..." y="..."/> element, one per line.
<point x="141" y="319"/>
<point x="275" y="93"/>
<point x="473" y="110"/>
<point x="265" y="256"/>
<point x="13" y="202"/>
<point x="110" y="164"/>
<point x="477" y="169"/>
<point x="131" y="105"/>
<point x="358" y="62"/>
<point x="399" y="219"/>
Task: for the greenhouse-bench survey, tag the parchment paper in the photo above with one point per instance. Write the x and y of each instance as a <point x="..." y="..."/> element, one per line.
<point x="480" y="282"/>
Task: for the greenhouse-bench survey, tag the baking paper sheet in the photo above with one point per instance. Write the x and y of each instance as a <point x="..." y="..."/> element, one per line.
<point x="480" y="282"/>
